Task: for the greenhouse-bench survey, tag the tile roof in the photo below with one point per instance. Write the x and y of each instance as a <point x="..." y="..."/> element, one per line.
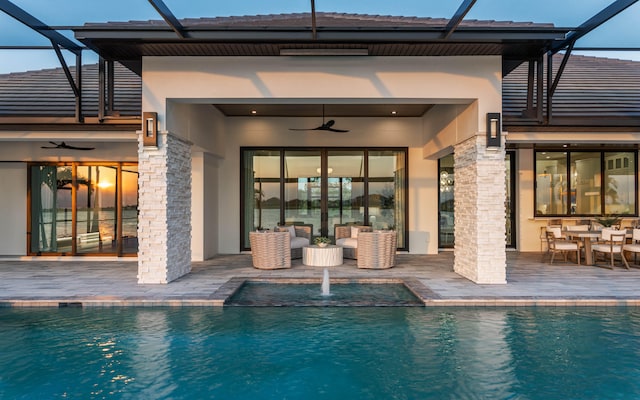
<point x="47" y="93"/>
<point x="590" y="88"/>
<point x="323" y="19"/>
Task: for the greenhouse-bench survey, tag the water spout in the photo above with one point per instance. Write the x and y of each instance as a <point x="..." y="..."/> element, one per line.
<point x="326" y="286"/>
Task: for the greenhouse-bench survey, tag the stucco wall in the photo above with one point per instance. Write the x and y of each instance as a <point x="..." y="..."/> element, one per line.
<point x="13" y="210"/>
<point x="430" y="80"/>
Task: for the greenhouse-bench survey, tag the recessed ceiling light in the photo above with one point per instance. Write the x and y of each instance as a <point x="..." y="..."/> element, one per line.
<point x="254" y="112"/>
<point x="394" y="112"/>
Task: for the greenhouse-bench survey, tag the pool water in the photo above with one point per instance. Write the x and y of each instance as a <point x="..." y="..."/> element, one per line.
<point x="320" y="353"/>
<point x="307" y="294"/>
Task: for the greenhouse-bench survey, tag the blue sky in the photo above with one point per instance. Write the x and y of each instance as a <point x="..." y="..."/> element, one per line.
<point x="620" y="31"/>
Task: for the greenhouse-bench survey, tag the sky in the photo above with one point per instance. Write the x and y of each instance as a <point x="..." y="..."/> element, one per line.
<point x="620" y="32"/>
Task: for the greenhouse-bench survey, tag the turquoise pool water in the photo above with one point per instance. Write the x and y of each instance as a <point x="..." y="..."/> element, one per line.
<point x="341" y="294"/>
<point x="320" y="353"/>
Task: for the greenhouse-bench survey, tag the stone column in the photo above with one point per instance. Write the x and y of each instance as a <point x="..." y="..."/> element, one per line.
<point x="164" y="220"/>
<point x="479" y="189"/>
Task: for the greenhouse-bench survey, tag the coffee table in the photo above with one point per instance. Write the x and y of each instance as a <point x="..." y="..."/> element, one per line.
<point x="316" y="256"/>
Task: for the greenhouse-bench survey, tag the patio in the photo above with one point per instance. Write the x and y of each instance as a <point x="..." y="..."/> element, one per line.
<point x="95" y="282"/>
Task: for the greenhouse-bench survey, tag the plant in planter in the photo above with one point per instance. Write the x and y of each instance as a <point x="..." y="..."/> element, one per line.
<point x="608" y="221"/>
<point x="322" y="241"/>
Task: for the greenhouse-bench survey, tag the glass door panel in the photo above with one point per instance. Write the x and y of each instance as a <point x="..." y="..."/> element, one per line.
<point x="96" y="207"/>
<point x="386" y="194"/>
<point x="129" y="209"/>
<point x="345" y="188"/>
<point x="51" y="209"/>
<point x="303" y="188"/>
<point x="445" y="201"/>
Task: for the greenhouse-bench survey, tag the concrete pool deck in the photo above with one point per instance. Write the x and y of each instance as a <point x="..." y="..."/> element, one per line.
<point x="108" y="282"/>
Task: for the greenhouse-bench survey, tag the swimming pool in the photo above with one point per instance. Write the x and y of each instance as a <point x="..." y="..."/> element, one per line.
<point x="320" y="353"/>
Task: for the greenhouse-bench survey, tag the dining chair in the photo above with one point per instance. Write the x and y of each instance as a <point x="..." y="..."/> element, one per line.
<point x="611" y="243"/>
<point x="557" y="244"/>
<point x="634" y="246"/>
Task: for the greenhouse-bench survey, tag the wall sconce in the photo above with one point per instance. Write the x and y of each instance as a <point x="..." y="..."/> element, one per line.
<point x="150" y="129"/>
<point x="494" y="130"/>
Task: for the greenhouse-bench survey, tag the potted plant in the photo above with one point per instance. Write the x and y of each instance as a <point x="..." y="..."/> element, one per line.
<point x="608" y="221"/>
<point x="322" y="241"/>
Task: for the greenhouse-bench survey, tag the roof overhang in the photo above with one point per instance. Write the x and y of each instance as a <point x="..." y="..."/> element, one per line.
<point x="129" y="42"/>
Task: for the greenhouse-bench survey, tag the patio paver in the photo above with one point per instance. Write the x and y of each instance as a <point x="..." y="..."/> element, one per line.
<point x="89" y="282"/>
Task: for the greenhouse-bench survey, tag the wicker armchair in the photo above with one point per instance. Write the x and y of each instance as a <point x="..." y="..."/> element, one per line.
<point x="270" y="250"/>
<point x="346" y="239"/>
<point x="377" y="249"/>
<point x="301" y="239"/>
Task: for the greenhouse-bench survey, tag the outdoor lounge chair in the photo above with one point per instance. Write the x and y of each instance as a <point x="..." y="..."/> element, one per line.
<point x="377" y="250"/>
<point x="347" y="237"/>
<point x="300" y="236"/>
<point x="270" y="250"/>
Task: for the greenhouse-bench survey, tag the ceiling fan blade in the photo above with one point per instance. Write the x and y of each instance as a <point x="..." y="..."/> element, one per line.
<point x="63" y="145"/>
<point x="336" y="130"/>
<point x="70" y="147"/>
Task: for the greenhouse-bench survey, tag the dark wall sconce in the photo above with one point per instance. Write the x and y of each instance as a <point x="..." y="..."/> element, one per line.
<point x="494" y="130"/>
<point x="150" y="129"/>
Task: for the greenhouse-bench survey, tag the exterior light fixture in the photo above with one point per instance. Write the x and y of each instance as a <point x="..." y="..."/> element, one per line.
<point x="494" y="130"/>
<point x="150" y="129"/>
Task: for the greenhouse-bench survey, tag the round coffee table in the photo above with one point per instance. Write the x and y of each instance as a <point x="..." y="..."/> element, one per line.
<point x="317" y="256"/>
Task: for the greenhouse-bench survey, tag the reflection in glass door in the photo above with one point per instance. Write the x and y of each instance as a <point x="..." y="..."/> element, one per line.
<point x="51" y="209"/>
<point x="83" y="209"/>
<point x="345" y="188"/>
<point x="96" y="209"/>
<point x="323" y="187"/>
<point x="445" y="201"/>
<point x="303" y="188"/>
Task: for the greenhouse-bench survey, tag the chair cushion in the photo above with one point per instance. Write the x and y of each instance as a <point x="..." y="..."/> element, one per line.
<point x="299" y="242"/>
<point x="292" y="231"/>
<point x="578" y="228"/>
<point x="634" y="247"/>
<point x="606" y="248"/>
<point x="560" y="245"/>
<point x="354" y="233"/>
<point x="348" y="242"/>
<point x="557" y="231"/>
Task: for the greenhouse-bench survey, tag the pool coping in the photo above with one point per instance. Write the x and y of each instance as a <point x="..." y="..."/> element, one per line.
<point x="219" y="297"/>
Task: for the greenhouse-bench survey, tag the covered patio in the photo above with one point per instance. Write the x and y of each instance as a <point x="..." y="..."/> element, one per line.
<point x="106" y="283"/>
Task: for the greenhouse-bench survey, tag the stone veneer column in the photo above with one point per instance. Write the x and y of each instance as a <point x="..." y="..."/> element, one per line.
<point x="164" y="203"/>
<point x="479" y="193"/>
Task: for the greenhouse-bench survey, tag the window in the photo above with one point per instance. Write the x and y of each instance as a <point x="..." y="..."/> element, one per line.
<point x="324" y="187"/>
<point x="584" y="183"/>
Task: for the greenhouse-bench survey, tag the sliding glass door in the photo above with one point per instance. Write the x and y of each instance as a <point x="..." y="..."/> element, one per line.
<point x="83" y="209"/>
<point x="323" y="187"/>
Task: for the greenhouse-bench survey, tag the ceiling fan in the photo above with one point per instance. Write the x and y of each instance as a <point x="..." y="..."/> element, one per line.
<point x="326" y="126"/>
<point x="63" y="145"/>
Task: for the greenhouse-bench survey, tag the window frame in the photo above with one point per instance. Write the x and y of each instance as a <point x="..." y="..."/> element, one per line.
<point x="603" y="168"/>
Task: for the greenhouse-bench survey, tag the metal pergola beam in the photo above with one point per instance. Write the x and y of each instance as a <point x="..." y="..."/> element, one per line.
<point x="169" y="18"/>
<point x="58" y="41"/>
<point x="56" y="38"/>
<point x="457" y="18"/>
<point x="592" y="23"/>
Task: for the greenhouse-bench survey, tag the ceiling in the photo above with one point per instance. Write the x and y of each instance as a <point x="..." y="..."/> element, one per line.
<point x="330" y="110"/>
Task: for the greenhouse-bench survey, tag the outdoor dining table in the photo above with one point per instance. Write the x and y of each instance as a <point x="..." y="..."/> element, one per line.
<point x="586" y="237"/>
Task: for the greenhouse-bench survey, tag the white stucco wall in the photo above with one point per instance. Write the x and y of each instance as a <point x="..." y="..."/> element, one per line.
<point x="430" y="80"/>
<point x="13" y="210"/>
